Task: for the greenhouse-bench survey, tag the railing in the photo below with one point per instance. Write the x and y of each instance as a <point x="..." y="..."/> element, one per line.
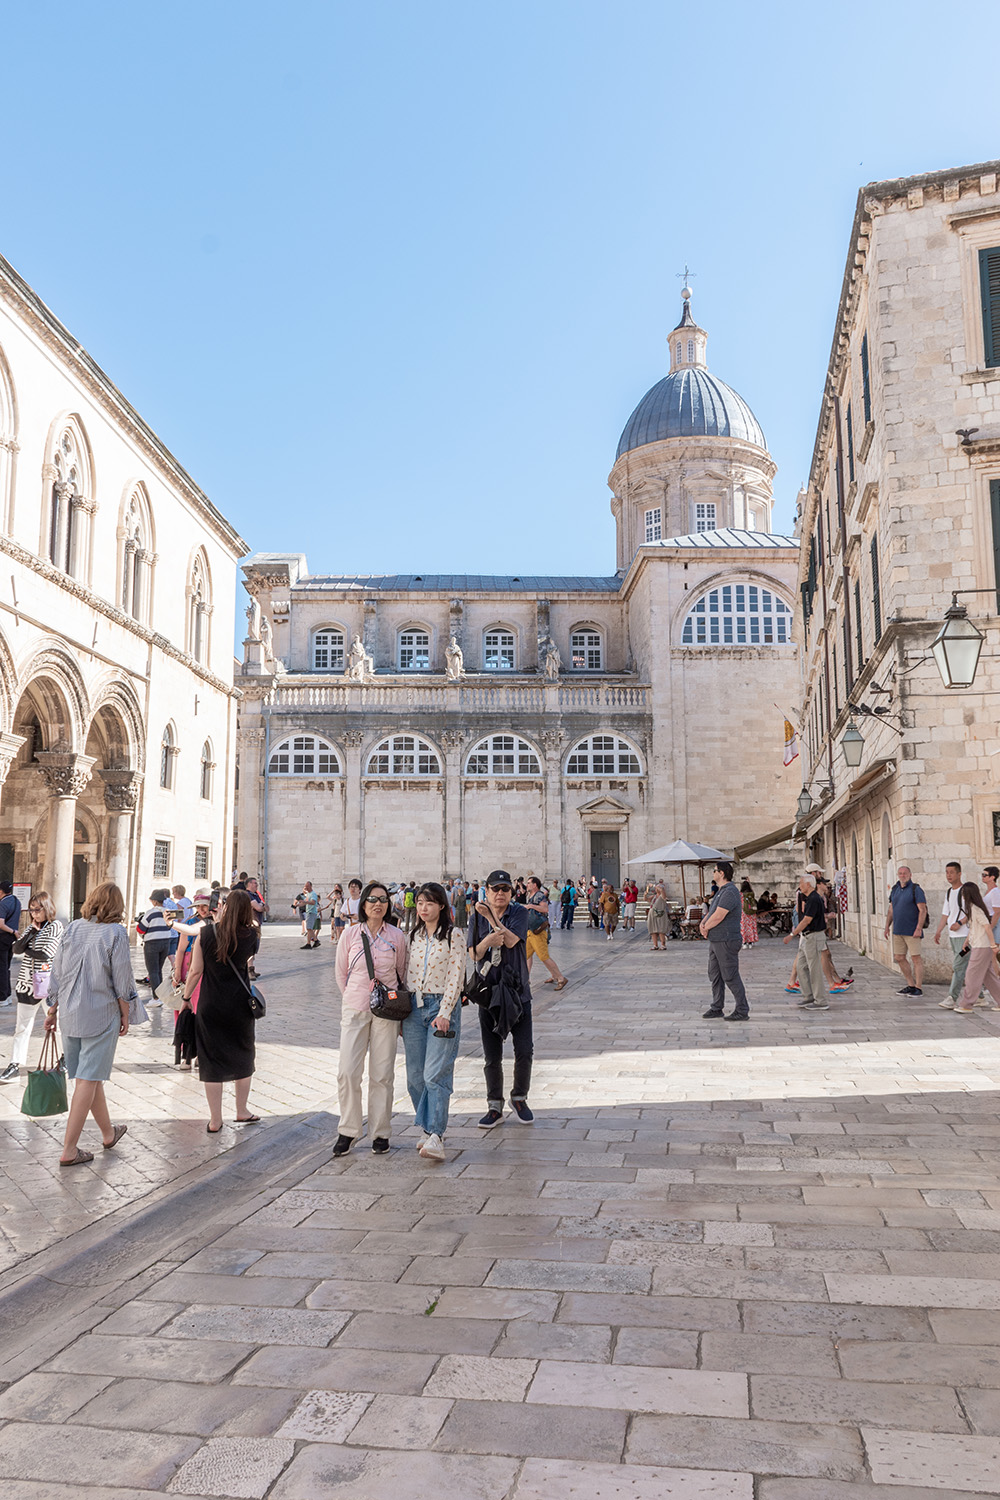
<point x="460" y="697"/>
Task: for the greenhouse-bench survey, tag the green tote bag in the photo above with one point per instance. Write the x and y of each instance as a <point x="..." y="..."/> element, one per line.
<point x="46" y="1090"/>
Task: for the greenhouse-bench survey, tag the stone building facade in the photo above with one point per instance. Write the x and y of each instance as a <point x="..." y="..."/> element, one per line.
<point x="902" y="507"/>
<point x="419" y="725"/>
<point x="117" y="706"/>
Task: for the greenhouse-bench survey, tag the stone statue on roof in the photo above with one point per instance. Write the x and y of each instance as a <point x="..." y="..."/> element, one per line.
<point x="552" y="665"/>
<point x="454" y="660"/>
<point x="360" y="666"/>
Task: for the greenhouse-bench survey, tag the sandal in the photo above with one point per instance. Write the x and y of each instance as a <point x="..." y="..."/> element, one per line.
<point x="211" y="1131"/>
<point x="118" y="1132"/>
<point x="248" y="1119"/>
<point x="79" y="1159"/>
<point x="561" y="985"/>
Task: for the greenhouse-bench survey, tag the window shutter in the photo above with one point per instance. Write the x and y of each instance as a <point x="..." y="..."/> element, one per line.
<point x="848" y="684"/>
<point x="859" y="633"/>
<point x="995" y="517"/>
<point x="989" y="276"/>
<point x="876" y="590"/>
<point x="866" y="387"/>
<point x="850" y="444"/>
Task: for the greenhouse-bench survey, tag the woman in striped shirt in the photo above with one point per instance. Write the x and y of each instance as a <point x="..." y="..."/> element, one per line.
<point x="37" y="947"/>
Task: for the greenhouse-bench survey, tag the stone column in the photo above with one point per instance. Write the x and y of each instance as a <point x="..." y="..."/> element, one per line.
<point x="121" y="798"/>
<point x="66" y="775"/>
<point x="250" y="851"/>
<point x="453" y="741"/>
<point x="10" y="744"/>
<point x="354" y="821"/>
<point x="556" y="854"/>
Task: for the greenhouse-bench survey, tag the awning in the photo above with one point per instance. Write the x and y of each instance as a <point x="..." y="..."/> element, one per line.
<point x="765" y="841"/>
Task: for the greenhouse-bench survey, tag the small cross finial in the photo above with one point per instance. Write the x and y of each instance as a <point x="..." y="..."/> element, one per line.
<point x="686" y="276"/>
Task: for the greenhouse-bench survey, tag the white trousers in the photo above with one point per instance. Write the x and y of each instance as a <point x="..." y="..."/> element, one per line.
<point x="23" y="1027"/>
<point x="363" y="1035"/>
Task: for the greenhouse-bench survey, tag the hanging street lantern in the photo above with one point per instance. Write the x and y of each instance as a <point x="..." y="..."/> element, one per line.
<point x="852" y="744"/>
<point x="956" y="647"/>
<point x="803" y="806"/>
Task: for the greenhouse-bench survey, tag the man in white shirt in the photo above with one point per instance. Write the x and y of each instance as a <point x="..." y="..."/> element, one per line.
<point x="991" y="896"/>
<point x="958" y="933"/>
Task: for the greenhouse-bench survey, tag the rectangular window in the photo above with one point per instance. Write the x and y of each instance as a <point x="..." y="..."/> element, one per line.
<point x="995" y="518"/>
<point x="499" y="653"/>
<point x="989" y="277"/>
<point x="848" y="684"/>
<point x="328" y="651"/>
<point x="201" y="862"/>
<point x="836" y="685"/>
<point x="876" y="590"/>
<point x="866" y="385"/>
<point x="161" y="859"/>
<point x="858" y="632"/>
<point x="704" y="517"/>
<point x="414" y="651"/>
<point x="653" y="524"/>
<point x="850" y="444"/>
<point x="586" y="651"/>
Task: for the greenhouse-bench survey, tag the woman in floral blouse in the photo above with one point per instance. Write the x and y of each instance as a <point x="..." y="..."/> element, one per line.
<point x="436" y="972"/>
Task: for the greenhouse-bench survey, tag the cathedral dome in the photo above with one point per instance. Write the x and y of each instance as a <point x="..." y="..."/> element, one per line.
<point x="689" y="402"/>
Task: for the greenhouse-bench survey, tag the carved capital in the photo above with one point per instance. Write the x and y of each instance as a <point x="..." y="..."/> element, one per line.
<point x="453" y="739"/>
<point x="10" y="744"/>
<point x="353" y="738"/>
<point x="121" y="790"/>
<point x="552" y="740"/>
<point x="65" y="774"/>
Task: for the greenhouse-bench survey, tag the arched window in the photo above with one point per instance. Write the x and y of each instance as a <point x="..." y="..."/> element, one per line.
<point x="678" y="351"/>
<point x="199" y="602"/>
<point x="404" y="755"/>
<point x="603" y="755"/>
<point x="690" y="349"/>
<point x="503" y="755"/>
<point x="136" y="557"/>
<point x="738" y="614"/>
<point x="207" y="767"/>
<point x="168" y="749"/>
<point x="498" y="650"/>
<point x="414" y="650"/>
<point x="304" y="755"/>
<point x="586" y="650"/>
<point x="328" y="650"/>
<point x="69" y="502"/>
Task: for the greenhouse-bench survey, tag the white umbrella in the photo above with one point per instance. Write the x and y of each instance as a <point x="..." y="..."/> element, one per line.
<point x="680" y="852"/>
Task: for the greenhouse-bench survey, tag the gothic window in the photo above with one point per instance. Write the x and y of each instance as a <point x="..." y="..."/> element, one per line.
<point x="738" y="614"/>
<point x="690" y="349"/>
<point x="207" y="767"/>
<point x="199" y="603"/>
<point x="704" y="516"/>
<point x="68" y="494"/>
<point x="167" y="749"/>
<point x="404" y="755"/>
<point x="604" y="755"/>
<point x="498" y="651"/>
<point x="653" y="524"/>
<point x="414" y="650"/>
<point x="135" y="570"/>
<point x="328" y="650"/>
<point x="678" y="351"/>
<point x="503" y="755"/>
<point x="304" y="755"/>
<point x="587" y="651"/>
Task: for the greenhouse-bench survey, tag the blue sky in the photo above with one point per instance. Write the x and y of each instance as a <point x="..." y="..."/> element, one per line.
<point x="389" y="278"/>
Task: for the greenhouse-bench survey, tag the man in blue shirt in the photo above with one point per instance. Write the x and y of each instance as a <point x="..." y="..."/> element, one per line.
<point x="10" y="917"/>
<point x="907" y="919"/>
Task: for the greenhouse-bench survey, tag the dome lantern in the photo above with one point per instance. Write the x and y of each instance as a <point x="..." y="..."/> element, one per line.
<point x="687" y="341"/>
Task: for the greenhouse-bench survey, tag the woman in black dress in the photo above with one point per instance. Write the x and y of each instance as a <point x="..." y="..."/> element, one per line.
<point x="224" y="1023"/>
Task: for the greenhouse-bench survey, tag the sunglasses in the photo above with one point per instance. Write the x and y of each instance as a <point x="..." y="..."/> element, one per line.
<point x="500" y="887"/>
<point x="378" y="900"/>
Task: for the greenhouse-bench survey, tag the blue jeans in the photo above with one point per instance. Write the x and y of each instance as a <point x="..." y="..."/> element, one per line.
<point x="430" y="1064"/>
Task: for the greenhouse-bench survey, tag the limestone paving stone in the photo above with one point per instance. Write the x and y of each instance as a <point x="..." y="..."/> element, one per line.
<point x="337" y="1473"/>
<point x="934" y="1408"/>
<point x="837" y="1320"/>
<point x="243" y="1468"/>
<point x="465" y="1270"/>
<point x="479" y="1379"/>
<point x="203" y="1362"/>
<point x="808" y="1449"/>
<point x="401" y="1422"/>
<point x="174" y="1406"/>
<point x="915" y="1291"/>
<point x="91" y="1455"/>
<point x="140" y="1317"/>
<point x="935" y="1460"/>
<point x="656" y="1312"/>
<point x="486" y="1302"/>
<point x="338" y="1370"/>
<point x="523" y="1340"/>
<point x="326" y="1416"/>
<point x="954" y="1326"/>
<point x="270" y="1291"/>
<point x="256" y="1325"/>
<point x="534" y="1431"/>
<point x="766" y="1354"/>
<point x="568" y="1276"/>
<point x="638" y="1388"/>
<point x="558" y="1479"/>
<point x="421" y="1335"/>
<point x="372" y="1296"/>
<point x="314" y="1266"/>
<point x="672" y="1348"/>
<point x="49" y="1398"/>
<point x="944" y="1364"/>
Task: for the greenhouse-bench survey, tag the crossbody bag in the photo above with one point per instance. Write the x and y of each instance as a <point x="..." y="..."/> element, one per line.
<point x="386" y="1004"/>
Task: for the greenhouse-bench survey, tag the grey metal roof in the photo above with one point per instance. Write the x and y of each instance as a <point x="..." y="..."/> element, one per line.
<point x="457" y="583"/>
<point x="690" y="403"/>
<point x="727" y="536"/>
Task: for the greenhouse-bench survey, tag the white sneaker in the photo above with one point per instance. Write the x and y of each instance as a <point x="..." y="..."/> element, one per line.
<point x="947" y="1004"/>
<point x="433" y="1148"/>
<point x="422" y="1142"/>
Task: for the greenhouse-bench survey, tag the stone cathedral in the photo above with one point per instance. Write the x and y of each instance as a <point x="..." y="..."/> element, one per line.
<point x="426" y="725"/>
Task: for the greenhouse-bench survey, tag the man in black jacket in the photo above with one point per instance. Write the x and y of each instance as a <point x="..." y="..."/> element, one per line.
<point x="498" y="929"/>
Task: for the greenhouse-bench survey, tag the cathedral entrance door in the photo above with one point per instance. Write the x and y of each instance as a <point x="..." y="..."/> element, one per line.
<point x="604" y="856"/>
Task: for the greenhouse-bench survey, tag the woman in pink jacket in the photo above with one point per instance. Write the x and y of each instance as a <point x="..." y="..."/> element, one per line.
<point x="362" y="1034"/>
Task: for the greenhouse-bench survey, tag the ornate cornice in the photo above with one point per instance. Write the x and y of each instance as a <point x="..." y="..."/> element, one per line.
<point x="102" y="606"/>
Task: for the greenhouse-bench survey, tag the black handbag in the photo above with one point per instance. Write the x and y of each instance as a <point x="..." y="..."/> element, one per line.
<point x="258" y="1005"/>
<point x="386" y="1004"/>
<point x="478" y="988"/>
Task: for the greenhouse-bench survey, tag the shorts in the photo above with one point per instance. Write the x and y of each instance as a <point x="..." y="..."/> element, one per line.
<point x="538" y="943"/>
<point x="313" y="925"/>
<point x="89" y="1058"/>
<point x="908" y="944"/>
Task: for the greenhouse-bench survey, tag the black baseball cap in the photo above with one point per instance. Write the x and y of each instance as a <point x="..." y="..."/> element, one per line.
<point x="499" y="877"/>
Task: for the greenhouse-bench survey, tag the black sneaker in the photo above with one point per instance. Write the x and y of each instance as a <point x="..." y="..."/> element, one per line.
<point x="343" y="1144"/>
<point x="490" y="1118"/>
<point x="524" y="1114"/>
<point x="711" y="1015"/>
<point x="737" y="1015"/>
<point x="915" y="991"/>
<point x="380" y="1145"/>
<point x="10" y="1072"/>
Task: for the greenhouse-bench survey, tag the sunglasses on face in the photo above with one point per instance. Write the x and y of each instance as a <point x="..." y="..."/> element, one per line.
<point x="378" y="901"/>
<point x="500" y="887"/>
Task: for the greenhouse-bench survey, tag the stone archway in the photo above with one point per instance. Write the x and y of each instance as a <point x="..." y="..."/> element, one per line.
<point x="111" y="797"/>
